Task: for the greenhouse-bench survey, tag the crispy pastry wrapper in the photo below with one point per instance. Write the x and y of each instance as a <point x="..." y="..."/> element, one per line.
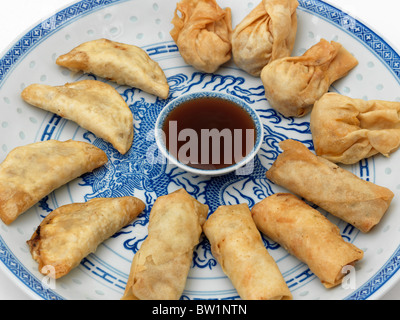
<point x="119" y="62"/>
<point x="72" y="232"/>
<point x="202" y="31"/>
<point x="267" y="33"/>
<point x="237" y="245"/>
<point x="338" y="191"/>
<point x="308" y="235"/>
<point x="160" y="268"/>
<point x="31" y="172"/>
<point x="293" y="84"/>
<point x="347" y="130"/>
<point x="94" y="105"/>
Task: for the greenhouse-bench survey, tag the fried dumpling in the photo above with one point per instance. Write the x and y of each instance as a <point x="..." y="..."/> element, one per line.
<point x="293" y="84"/>
<point x="31" y="172"/>
<point x="203" y="33"/>
<point x="94" y="105"/>
<point x="72" y="232"/>
<point x="347" y="130"/>
<point x="267" y="33"/>
<point x="119" y="62"/>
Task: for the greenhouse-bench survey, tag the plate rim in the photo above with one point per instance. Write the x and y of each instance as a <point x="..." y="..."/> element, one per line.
<point x="305" y="5"/>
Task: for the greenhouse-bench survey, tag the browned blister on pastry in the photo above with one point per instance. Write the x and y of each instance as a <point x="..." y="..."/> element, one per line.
<point x="94" y="105"/>
<point x="292" y="85"/>
<point x="237" y="245"/>
<point x="308" y="235"/>
<point x="334" y="189"/>
<point x="72" y="232"/>
<point x="119" y="62"/>
<point x="160" y="268"/>
<point x="267" y="33"/>
<point x="347" y="130"/>
<point x="202" y="31"/>
<point x="31" y="172"/>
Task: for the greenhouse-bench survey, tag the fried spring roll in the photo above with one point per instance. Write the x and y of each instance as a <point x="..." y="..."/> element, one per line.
<point x="160" y="268"/>
<point x="72" y="232"/>
<point x="338" y="191"/>
<point x="237" y="245"/>
<point x="306" y="234"/>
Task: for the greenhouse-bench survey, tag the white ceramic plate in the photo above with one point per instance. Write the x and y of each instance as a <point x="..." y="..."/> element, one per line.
<point x="103" y="275"/>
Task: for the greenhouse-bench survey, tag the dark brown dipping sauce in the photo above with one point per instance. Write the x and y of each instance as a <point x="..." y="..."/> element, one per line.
<point x="202" y="115"/>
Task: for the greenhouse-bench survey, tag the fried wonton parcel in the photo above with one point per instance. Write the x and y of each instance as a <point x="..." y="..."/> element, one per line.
<point x="160" y="268"/>
<point x="31" y="172"/>
<point x="202" y="33"/>
<point x="338" y="191"/>
<point x="292" y="85"/>
<point x="72" y="232"/>
<point x="347" y="130"/>
<point x="266" y="34"/>
<point x="119" y="62"/>
<point x="308" y="235"/>
<point x="94" y="105"/>
<point x="237" y="245"/>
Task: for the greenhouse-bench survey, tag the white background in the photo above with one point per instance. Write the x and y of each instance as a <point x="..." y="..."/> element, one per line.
<point x="17" y="16"/>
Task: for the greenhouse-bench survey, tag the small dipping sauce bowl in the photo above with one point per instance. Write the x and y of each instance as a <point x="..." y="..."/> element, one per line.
<point x="209" y="133"/>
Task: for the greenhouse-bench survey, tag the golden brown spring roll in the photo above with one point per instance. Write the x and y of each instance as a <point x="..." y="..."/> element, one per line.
<point x="338" y="191"/>
<point x="31" y="172"/>
<point x="237" y="245"/>
<point x="306" y="234"/>
<point x="160" y="268"/>
<point x="72" y="232"/>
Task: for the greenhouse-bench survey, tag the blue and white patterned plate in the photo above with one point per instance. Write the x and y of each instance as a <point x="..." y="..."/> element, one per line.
<point x="103" y="275"/>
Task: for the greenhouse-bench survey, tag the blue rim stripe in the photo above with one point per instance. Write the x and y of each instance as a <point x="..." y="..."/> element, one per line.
<point x="39" y="33"/>
<point x="24" y="275"/>
<point x="66" y="16"/>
